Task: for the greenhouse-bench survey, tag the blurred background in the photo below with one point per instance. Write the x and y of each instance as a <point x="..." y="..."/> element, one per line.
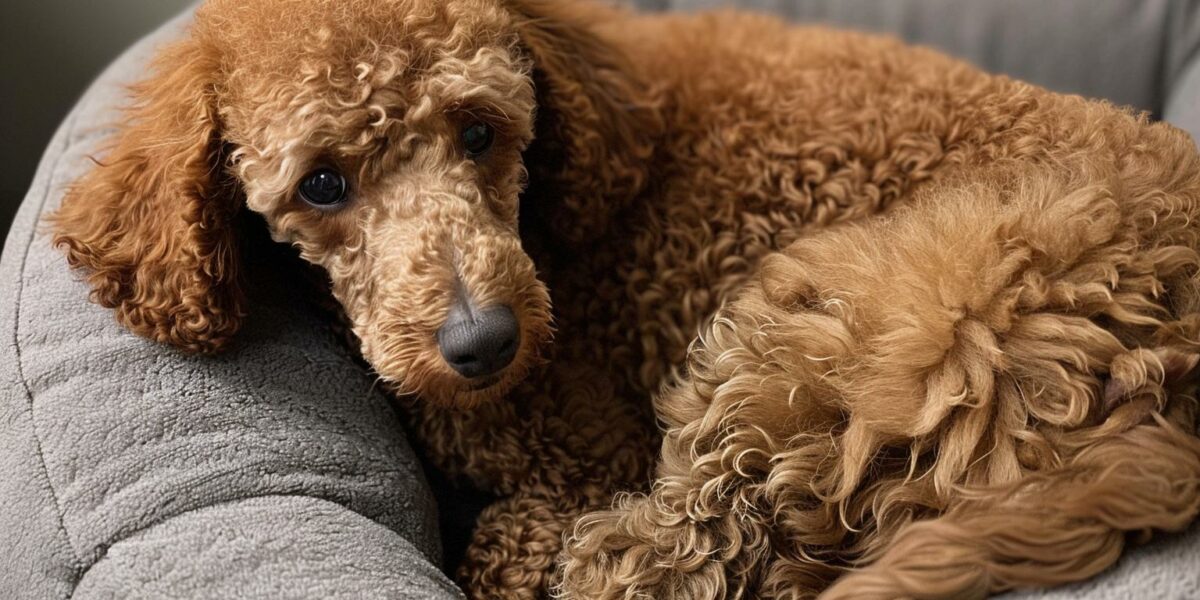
<point x="52" y="50"/>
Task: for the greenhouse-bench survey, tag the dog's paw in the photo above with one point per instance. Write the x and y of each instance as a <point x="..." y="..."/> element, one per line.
<point x="641" y="549"/>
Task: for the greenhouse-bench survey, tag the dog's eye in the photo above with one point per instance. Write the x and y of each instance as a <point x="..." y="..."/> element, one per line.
<point x="477" y="138"/>
<point x="323" y="187"/>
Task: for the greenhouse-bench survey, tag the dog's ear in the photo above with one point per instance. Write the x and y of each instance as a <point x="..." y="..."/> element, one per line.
<point x="596" y="121"/>
<point x="152" y="222"/>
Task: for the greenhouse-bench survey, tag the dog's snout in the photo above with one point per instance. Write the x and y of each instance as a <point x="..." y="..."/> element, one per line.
<point x="478" y="343"/>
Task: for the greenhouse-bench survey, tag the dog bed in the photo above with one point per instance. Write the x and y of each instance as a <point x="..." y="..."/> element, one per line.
<point x="277" y="470"/>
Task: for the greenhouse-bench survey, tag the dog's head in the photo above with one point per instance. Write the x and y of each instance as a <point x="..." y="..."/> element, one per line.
<point x="385" y="139"/>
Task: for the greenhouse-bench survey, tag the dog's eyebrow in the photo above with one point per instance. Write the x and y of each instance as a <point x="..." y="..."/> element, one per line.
<point x="480" y="111"/>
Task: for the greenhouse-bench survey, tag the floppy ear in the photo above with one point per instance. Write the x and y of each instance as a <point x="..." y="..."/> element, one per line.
<point x="596" y="121"/>
<point x="152" y="222"/>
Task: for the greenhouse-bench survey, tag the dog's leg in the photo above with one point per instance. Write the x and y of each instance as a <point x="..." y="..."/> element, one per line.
<point x="516" y="540"/>
<point x="702" y="532"/>
<point x="579" y="441"/>
<point x="1062" y="526"/>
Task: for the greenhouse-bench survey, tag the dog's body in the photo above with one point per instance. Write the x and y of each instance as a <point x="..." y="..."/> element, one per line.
<point x="1004" y="357"/>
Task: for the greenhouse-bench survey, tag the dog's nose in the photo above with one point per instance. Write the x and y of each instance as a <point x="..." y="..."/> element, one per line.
<point x="479" y="343"/>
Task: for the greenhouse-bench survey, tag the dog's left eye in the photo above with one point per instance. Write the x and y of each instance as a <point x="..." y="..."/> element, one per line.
<point x="323" y="187"/>
<point x="477" y="138"/>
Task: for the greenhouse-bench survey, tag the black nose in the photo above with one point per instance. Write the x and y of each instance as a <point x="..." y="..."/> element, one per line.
<point x="479" y="343"/>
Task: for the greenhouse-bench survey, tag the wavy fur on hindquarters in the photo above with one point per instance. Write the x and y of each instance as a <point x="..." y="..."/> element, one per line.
<point x="919" y="403"/>
<point x="1069" y="524"/>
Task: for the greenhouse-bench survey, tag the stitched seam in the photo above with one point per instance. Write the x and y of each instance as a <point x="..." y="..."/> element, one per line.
<point x="78" y="567"/>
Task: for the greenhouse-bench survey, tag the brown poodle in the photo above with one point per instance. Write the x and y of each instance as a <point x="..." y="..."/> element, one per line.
<point x="984" y="388"/>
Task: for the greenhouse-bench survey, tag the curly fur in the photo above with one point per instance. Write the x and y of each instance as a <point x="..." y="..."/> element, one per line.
<point x="982" y="391"/>
<point x="982" y="388"/>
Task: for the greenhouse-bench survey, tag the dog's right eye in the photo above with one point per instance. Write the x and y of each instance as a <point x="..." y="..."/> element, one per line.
<point x="324" y="188"/>
<point x="477" y="138"/>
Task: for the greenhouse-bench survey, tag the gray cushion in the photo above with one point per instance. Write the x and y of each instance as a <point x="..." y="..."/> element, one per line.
<point x="1182" y="75"/>
<point x="130" y="470"/>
